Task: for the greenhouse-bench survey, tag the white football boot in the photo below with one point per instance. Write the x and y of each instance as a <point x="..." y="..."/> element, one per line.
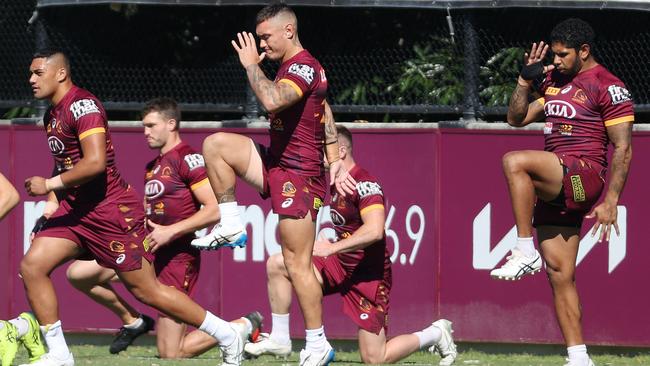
<point x="49" y="360"/>
<point x="310" y="358"/>
<point x="222" y="236"/>
<point x="517" y="266"/>
<point x="445" y="347"/>
<point x="267" y="346"/>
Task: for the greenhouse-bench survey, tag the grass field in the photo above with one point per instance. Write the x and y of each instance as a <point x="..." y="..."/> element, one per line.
<point x="144" y="354"/>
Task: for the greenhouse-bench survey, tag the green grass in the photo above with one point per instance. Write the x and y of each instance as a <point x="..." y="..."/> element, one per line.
<point x="144" y="354"/>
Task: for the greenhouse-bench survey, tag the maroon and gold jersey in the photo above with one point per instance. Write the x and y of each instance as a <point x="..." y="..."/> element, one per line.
<point x="579" y="109"/>
<point x="346" y="217"/>
<point x="79" y="115"/>
<point x="169" y="181"/>
<point x="297" y="132"/>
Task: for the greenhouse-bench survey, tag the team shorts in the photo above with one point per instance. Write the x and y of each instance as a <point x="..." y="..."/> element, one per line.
<point x="112" y="233"/>
<point x="180" y="273"/>
<point x="292" y="194"/>
<point x="582" y="185"/>
<point x="365" y="302"/>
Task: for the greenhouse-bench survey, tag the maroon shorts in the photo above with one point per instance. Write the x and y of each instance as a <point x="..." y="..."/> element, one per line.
<point x="582" y="185"/>
<point x="292" y="194"/>
<point x="180" y="273"/>
<point x="365" y="302"/>
<point x="112" y="233"/>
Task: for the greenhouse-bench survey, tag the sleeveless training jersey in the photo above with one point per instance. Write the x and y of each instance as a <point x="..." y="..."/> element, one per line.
<point x="579" y="109"/>
<point x="79" y="115"/>
<point x="297" y="132"/>
<point x="169" y="181"/>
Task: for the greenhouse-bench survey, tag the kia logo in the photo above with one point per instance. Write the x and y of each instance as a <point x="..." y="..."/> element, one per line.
<point x="559" y="108"/>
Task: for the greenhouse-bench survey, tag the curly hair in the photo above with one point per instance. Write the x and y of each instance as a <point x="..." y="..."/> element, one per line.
<point x="573" y="33"/>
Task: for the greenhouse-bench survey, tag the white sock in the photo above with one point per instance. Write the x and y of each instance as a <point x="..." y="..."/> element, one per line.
<point x="22" y="325"/>
<point x="578" y="354"/>
<point x="56" y="345"/>
<point x="315" y="339"/>
<point x="280" y="328"/>
<point x="229" y="214"/>
<point x="247" y="324"/>
<point x="526" y="246"/>
<point x="219" y="329"/>
<point x="428" y="336"/>
<point x="136" y="324"/>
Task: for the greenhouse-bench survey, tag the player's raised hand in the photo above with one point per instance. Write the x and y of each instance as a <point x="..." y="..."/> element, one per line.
<point x="322" y="246"/>
<point x="606" y="215"/>
<point x="533" y="66"/>
<point x="340" y="176"/>
<point x="247" y="49"/>
<point x="35" y="186"/>
<point x="159" y="236"/>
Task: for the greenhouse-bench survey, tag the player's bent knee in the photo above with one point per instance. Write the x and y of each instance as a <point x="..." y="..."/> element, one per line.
<point x="29" y="268"/>
<point x="511" y="162"/>
<point x="275" y="264"/>
<point x="559" y="277"/>
<point x="371" y="358"/>
<point x="213" y="143"/>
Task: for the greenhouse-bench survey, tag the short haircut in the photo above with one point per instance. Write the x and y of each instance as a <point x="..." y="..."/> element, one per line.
<point x="343" y="131"/>
<point x="49" y="52"/>
<point x="166" y="107"/>
<point x="273" y="10"/>
<point x="573" y="33"/>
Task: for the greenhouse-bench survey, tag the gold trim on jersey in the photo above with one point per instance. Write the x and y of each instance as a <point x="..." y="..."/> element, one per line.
<point x="293" y="85"/>
<point x="92" y="131"/>
<point x="199" y="184"/>
<point x="618" y="120"/>
<point x="371" y="207"/>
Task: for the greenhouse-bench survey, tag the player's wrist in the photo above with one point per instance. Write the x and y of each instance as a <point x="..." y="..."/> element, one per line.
<point x="54" y="184"/>
<point x="525" y="83"/>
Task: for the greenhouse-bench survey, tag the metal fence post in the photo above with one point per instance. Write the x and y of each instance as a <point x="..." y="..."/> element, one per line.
<point x="471" y="63"/>
<point x="41" y="41"/>
<point x="251" y="105"/>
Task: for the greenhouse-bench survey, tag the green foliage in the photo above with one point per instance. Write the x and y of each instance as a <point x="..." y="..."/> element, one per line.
<point x="498" y="76"/>
<point x="19" y="112"/>
<point x="363" y="92"/>
<point x="433" y="76"/>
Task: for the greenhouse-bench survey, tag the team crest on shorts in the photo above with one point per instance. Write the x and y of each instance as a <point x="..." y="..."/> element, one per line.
<point x="288" y="189"/>
<point x="116" y="246"/>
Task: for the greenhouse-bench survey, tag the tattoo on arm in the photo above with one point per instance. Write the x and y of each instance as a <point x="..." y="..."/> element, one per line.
<point x="228" y="195"/>
<point x="268" y="92"/>
<point x="621" y="136"/>
<point x="330" y="125"/>
<point x="518" y="106"/>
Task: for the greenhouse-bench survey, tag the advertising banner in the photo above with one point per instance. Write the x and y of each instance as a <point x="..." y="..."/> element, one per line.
<point x="449" y="222"/>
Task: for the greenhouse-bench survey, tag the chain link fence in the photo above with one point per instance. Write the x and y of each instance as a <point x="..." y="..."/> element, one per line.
<point x="390" y="64"/>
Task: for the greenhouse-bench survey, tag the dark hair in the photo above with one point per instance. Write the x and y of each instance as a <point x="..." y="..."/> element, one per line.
<point x="165" y="106"/>
<point x="49" y="52"/>
<point x="573" y="33"/>
<point x="272" y="10"/>
<point x="343" y="131"/>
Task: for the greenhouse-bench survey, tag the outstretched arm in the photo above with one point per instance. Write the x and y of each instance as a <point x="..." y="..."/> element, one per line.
<point x="606" y="212"/>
